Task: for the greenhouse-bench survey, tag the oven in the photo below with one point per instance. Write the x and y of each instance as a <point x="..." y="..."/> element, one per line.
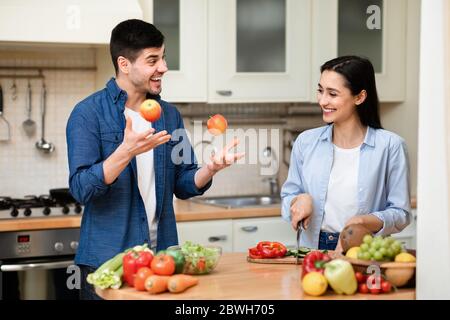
<point x="34" y="263"/>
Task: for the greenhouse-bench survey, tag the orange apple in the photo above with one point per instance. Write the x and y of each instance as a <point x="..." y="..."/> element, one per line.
<point x="217" y="124"/>
<point x="150" y="110"/>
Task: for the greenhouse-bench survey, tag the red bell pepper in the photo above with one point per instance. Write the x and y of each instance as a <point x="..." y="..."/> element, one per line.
<point x="133" y="261"/>
<point x="268" y="249"/>
<point x="254" y="253"/>
<point x="315" y="262"/>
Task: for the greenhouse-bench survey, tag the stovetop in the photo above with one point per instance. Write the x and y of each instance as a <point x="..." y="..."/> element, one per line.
<point x="38" y="206"/>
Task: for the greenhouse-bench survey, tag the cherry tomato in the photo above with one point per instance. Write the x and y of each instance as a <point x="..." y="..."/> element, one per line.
<point x="386" y="286"/>
<point x="375" y="291"/>
<point x="163" y="265"/>
<point x="201" y="264"/>
<point x="362" y="288"/>
<point x="360" y="277"/>
<point x="142" y="275"/>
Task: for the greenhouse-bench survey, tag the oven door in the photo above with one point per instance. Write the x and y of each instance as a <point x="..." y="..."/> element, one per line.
<point x="38" y="279"/>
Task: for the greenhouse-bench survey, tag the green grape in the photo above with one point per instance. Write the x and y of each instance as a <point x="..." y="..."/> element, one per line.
<point x="383" y="251"/>
<point x="360" y="255"/>
<point x="390" y="240"/>
<point x="390" y="253"/>
<point x="378" y="256"/>
<point x="376" y="244"/>
<point x="367" y="256"/>
<point x="385" y="244"/>
<point x="367" y="239"/>
<point x="396" y="246"/>
<point x="378" y="238"/>
<point x="364" y="247"/>
<point x="372" y="251"/>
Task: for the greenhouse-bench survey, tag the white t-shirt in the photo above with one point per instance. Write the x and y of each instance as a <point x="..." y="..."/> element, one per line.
<point x="342" y="197"/>
<point x="146" y="175"/>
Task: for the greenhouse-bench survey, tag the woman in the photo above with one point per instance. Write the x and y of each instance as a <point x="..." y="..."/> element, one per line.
<point x="350" y="171"/>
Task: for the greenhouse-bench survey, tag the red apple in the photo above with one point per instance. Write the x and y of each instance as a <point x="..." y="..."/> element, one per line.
<point x="150" y="110"/>
<point x="217" y="124"/>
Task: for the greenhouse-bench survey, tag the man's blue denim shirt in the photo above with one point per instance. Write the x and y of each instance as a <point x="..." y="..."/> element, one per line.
<point x="114" y="217"/>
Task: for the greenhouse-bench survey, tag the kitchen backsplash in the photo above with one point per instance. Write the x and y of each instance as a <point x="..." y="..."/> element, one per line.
<point x="25" y="170"/>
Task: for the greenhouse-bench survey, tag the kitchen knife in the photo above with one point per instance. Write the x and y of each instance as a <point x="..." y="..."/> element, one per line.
<point x="299" y="232"/>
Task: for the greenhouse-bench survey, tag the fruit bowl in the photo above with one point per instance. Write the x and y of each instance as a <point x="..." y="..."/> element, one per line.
<point x="397" y="273"/>
<point x="200" y="259"/>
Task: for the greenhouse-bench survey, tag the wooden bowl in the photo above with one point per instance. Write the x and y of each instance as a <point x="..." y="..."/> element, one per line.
<point x="397" y="273"/>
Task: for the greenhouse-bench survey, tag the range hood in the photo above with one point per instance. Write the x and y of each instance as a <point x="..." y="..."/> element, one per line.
<point x="64" y="21"/>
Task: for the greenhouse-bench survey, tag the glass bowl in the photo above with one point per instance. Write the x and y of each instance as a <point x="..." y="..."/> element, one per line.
<point x="200" y="261"/>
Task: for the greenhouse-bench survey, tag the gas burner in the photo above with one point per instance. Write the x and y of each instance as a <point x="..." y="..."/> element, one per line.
<point x="58" y="203"/>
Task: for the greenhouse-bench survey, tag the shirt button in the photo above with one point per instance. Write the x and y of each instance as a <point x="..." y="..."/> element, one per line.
<point x="143" y="219"/>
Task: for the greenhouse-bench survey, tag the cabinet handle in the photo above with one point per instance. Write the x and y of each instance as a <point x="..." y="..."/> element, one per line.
<point x="217" y="238"/>
<point x="226" y="93"/>
<point x="250" y="229"/>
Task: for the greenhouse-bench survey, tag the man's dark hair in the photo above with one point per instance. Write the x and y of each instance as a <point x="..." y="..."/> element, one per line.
<point x="359" y="75"/>
<point x="129" y="37"/>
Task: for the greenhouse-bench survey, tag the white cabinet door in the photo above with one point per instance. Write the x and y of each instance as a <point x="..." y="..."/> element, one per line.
<point x="372" y="28"/>
<point x="248" y="232"/>
<point x="216" y="232"/>
<point x="184" y="25"/>
<point x="259" y="50"/>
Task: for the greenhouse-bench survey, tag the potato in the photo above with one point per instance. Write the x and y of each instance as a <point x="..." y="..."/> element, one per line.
<point x="352" y="236"/>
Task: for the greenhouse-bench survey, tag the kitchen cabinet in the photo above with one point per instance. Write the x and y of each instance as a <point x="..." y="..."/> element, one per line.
<point x="237" y="235"/>
<point x="372" y="28"/>
<point x="254" y="50"/>
<point x="184" y="25"/>
<point x="56" y="21"/>
<point x="259" y="50"/>
<point x="248" y="232"/>
<point x="211" y="232"/>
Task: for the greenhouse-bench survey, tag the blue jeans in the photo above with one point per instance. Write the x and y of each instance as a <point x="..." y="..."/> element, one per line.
<point x="328" y="240"/>
<point x="87" y="291"/>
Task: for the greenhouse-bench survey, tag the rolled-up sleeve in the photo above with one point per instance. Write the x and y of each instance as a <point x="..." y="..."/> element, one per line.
<point x="397" y="214"/>
<point x="86" y="177"/>
<point x="293" y="185"/>
<point x="185" y="171"/>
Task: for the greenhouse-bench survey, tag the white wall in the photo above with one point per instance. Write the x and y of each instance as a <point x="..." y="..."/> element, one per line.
<point x="433" y="277"/>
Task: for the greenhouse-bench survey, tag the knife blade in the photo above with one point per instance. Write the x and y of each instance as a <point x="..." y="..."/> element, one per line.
<point x="299" y="232"/>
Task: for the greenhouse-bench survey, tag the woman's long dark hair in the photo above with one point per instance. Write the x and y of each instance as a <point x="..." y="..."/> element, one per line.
<point x="359" y="75"/>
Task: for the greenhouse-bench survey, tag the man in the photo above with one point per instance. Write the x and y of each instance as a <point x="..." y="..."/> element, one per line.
<point x="121" y="166"/>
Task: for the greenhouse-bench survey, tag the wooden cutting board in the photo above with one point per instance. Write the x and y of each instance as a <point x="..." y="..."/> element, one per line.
<point x="286" y="260"/>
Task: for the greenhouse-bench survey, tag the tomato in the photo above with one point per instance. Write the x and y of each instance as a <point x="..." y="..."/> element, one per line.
<point x="163" y="265"/>
<point x="201" y="264"/>
<point x="386" y="286"/>
<point x="374" y="291"/>
<point x="142" y="275"/>
<point x="362" y="288"/>
<point x="217" y="124"/>
<point x="360" y="277"/>
<point x="150" y="110"/>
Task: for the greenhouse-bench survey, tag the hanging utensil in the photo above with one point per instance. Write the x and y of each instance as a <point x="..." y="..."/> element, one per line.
<point x="42" y="144"/>
<point x="5" y="129"/>
<point x="14" y="90"/>
<point x="29" y="125"/>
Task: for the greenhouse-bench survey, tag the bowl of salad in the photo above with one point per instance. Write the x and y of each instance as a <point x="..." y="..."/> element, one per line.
<point x="199" y="259"/>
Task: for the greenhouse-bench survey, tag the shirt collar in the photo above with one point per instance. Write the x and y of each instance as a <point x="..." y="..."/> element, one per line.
<point x="369" y="139"/>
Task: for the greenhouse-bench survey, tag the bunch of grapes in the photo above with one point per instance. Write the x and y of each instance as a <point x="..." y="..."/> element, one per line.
<point x="379" y="248"/>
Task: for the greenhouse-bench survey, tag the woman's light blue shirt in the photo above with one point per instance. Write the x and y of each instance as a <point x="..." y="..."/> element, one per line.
<point x="383" y="179"/>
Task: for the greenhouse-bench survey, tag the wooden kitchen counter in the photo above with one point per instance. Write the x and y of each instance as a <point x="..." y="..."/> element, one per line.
<point x="235" y="278"/>
<point x="184" y="211"/>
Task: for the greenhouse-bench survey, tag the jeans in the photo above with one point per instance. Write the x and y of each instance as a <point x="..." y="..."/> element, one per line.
<point x="87" y="291"/>
<point x="328" y="240"/>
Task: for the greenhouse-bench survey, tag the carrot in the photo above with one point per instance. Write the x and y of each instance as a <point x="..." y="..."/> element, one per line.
<point x="156" y="284"/>
<point x="180" y="282"/>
